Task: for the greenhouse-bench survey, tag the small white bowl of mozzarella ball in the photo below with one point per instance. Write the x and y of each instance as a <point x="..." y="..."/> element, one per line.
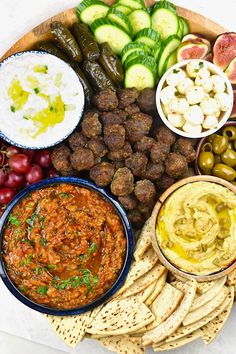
<point x="194" y="98"/>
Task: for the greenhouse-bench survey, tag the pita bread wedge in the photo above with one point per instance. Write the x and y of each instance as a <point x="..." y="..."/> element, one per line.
<point x="212" y="328"/>
<point x="209" y="295"/>
<point x="144" y="241"/>
<point x="143" y="295"/>
<point x="185" y="330"/>
<point x="204" y="310"/>
<point x="232" y="278"/>
<point x="122" y="345"/>
<point x="159" y="285"/>
<point x="179" y="342"/>
<point x="178" y="284"/>
<point x="204" y="287"/>
<point x="121" y="316"/>
<point x="166" y="303"/>
<point x="170" y="325"/>
<point x="144" y="281"/>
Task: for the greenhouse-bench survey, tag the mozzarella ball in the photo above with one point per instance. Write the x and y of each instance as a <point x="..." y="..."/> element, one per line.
<point x="179" y="105"/>
<point x="194" y="115"/>
<point x="175" y="77"/>
<point x="206" y="84"/>
<point x="177" y="120"/>
<point x="166" y="109"/>
<point x="218" y="83"/>
<point x="193" y="129"/>
<point x="167" y="94"/>
<point x="204" y="73"/>
<point x="224" y="101"/>
<point x="195" y="94"/>
<point x="184" y="85"/>
<point x="193" y="68"/>
<point x="210" y="122"/>
<point x="209" y="106"/>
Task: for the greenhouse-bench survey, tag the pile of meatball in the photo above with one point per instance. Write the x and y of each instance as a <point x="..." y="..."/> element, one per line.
<point x="120" y="148"/>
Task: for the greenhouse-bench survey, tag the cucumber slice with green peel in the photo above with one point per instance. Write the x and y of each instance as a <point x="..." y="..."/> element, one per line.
<point x="170" y="61"/>
<point x="185" y="26"/>
<point x="90" y="10"/>
<point x="121" y="19"/>
<point x="125" y="9"/>
<point x="139" y="19"/>
<point x="165" y="22"/>
<point x="164" y="5"/>
<point x="168" y="47"/>
<point x="134" y="47"/>
<point x="133" y="55"/>
<point x="106" y="31"/>
<point x="156" y="51"/>
<point x="133" y="4"/>
<point x="147" y="36"/>
<point x="140" y="73"/>
<point x="181" y="28"/>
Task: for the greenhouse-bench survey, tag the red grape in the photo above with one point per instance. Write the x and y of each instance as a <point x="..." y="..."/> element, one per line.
<point x="2" y="177"/>
<point x="6" y="195"/>
<point x="13" y="180"/>
<point x="28" y="152"/>
<point x="20" y="163"/>
<point x="12" y="150"/>
<point x="43" y="158"/>
<point x="51" y="173"/>
<point x="34" y="174"/>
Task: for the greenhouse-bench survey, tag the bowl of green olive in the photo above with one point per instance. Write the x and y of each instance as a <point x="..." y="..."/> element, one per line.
<point x="216" y="154"/>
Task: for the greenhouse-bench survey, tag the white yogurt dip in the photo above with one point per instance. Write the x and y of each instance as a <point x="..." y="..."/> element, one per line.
<point x="41" y="99"/>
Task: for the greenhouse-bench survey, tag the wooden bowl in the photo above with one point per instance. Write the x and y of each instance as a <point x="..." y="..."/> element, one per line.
<point x="163" y="259"/>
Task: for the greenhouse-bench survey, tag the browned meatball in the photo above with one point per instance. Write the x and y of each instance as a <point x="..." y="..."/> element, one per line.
<point x="138" y="126"/>
<point x="77" y="140"/>
<point x="123" y="182"/>
<point x="176" y="165"/>
<point x="118" y="116"/>
<point x="114" y="136"/>
<point x="91" y="125"/>
<point x="146" y="209"/>
<point x="129" y="202"/>
<point x="118" y="164"/>
<point x="132" y="109"/>
<point x="106" y="100"/>
<point x="102" y="173"/>
<point x="185" y="147"/>
<point x="136" y="218"/>
<point x="137" y="163"/>
<point x="145" y="144"/>
<point x="165" y="135"/>
<point x="61" y="158"/>
<point x="82" y="159"/>
<point x="159" y="152"/>
<point x="189" y="173"/>
<point x="165" y="182"/>
<point x="146" y="100"/>
<point x="97" y="146"/>
<point x="154" y="171"/>
<point x="145" y="191"/>
<point x="127" y="96"/>
<point x="121" y="154"/>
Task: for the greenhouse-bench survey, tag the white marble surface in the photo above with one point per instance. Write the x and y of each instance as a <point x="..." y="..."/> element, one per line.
<point x="16" y="320"/>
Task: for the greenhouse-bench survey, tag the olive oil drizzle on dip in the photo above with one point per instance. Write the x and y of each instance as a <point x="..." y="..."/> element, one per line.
<point x="64" y="246"/>
<point x="196" y="228"/>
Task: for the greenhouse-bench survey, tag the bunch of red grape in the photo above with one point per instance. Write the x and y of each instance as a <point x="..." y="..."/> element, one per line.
<point x="21" y="167"/>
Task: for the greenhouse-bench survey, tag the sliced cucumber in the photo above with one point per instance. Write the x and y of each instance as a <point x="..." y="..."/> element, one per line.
<point x="164" y="5"/>
<point x="139" y="19"/>
<point x="106" y="31"/>
<point x="147" y="36"/>
<point x="125" y="9"/>
<point x="165" y="22"/>
<point x="133" y="4"/>
<point x="121" y="19"/>
<point x="90" y="10"/>
<point x="185" y="26"/>
<point x="156" y="51"/>
<point x="181" y="28"/>
<point x="170" y="61"/>
<point x="134" y="47"/>
<point x="140" y="73"/>
<point x="134" y="55"/>
<point x="168" y="47"/>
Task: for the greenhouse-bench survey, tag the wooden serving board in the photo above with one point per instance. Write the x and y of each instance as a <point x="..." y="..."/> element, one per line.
<point x="198" y="24"/>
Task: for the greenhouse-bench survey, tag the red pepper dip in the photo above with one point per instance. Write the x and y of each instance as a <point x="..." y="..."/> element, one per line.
<point x="64" y="246"/>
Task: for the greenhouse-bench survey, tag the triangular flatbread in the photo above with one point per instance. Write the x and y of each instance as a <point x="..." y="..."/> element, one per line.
<point x="122" y="345"/>
<point x="144" y="240"/>
<point x="179" y="342"/>
<point x="159" y="285"/>
<point x="232" y="278"/>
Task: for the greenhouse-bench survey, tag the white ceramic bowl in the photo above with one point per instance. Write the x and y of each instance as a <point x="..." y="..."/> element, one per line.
<point x="224" y="115"/>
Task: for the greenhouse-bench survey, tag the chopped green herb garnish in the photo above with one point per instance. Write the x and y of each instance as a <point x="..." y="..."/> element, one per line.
<point x="30" y="221"/>
<point x="51" y="266"/>
<point x="23" y="240"/>
<point x="201" y="65"/>
<point x="22" y="263"/>
<point x="95" y="280"/>
<point x="44" y="242"/>
<point x="26" y="118"/>
<point x="13" y="109"/>
<point x="196" y="70"/>
<point x="13" y="220"/>
<point x="92" y="248"/>
<point x="36" y="90"/>
<point x="175" y="71"/>
<point x="64" y="195"/>
<point x="42" y="290"/>
<point x="76" y="281"/>
<point x="43" y="219"/>
<point x="21" y="288"/>
<point x="38" y="270"/>
<point x="28" y="259"/>
<point x="83" y="256"/>
<point x="86" y="278"/>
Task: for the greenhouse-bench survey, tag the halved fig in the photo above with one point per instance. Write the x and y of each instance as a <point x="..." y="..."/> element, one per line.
<point x="189" y="50"/>
<point x="231" y="71"/>
<point x="224" y="49"/>
<point x="233" y="113"/>
<point x="195" y="38"/>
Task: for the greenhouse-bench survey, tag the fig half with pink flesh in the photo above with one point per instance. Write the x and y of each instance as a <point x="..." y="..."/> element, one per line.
<point x="224" y="50"/>
<point x="195" y="38"/>
<point x="231" y="71"/>
<point x="189" y="50"/>
<point x="233" y="113"/>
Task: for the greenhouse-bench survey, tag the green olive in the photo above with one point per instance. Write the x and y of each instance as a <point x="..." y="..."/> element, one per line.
<point x="229" y="157"/>
<point x="206" y="161"/>
<point x="207" y="147"/>
<point x="211" y="138"/>
<point x="223" y="171"/>
<point x="230" y="132"/>
<point x="219" y="144"/>
<point x="217" y="159"/>
<point x="230" y="145"/>
<point x="234" y="144"/>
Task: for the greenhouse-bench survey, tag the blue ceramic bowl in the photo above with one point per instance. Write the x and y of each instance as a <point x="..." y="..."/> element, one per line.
<point x="127" y="262"/>
<point x="66" y="131"/>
